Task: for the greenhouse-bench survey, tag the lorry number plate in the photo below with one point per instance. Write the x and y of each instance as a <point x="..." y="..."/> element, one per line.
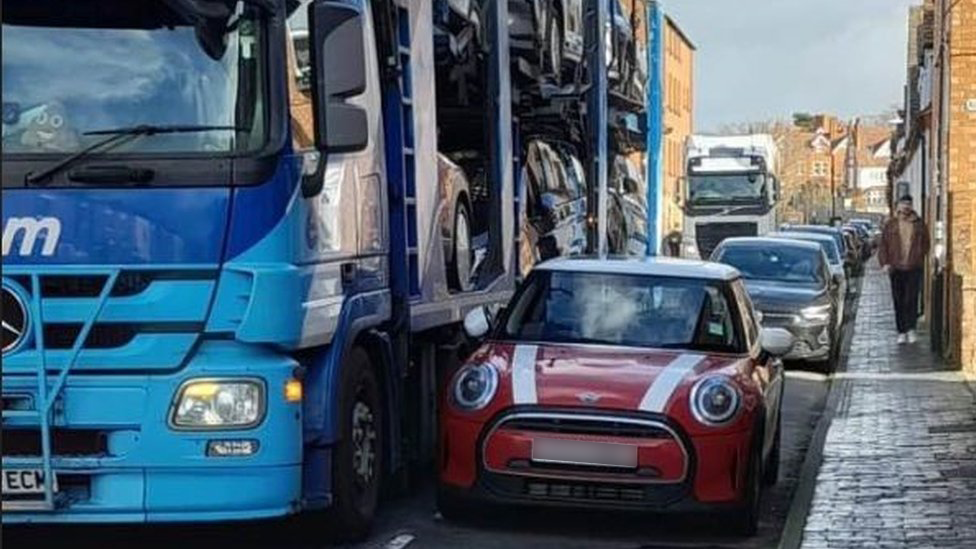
<point x="24" y="481"/>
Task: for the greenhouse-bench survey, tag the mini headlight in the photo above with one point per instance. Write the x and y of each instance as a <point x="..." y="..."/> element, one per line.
<point x="475" y="386"/>
<point x="816" y="313"/>
<point x="715" y="401"/>
<point x="218" y="404"/>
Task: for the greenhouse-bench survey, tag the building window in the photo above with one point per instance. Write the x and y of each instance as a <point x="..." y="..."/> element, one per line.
<point x="819" y="168"/>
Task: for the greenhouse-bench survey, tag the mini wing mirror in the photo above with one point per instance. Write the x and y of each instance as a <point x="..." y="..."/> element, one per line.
<point x="338" y="60"/>
<point x="759" y="316"/>
<point x="776" y="341"/>
<point x="477" y="323"/>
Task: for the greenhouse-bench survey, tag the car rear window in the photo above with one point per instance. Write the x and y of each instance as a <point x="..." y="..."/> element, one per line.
<point x="623" y="309"/>
<point x="780" y="263"/>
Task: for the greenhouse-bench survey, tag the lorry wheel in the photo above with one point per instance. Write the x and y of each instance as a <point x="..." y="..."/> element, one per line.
<point x="553" y="55"/>
<point x="459" y="266"/>
<point x="357" y="466"/>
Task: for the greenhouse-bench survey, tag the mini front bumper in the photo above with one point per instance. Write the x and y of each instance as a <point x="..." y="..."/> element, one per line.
<point x="713" y="478"/>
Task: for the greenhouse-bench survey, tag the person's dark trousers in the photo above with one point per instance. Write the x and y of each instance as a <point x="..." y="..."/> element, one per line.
<point x="905" y="287"/>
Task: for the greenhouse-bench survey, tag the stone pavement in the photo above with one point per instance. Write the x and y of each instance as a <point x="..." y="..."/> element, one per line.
<point x="899" y="462"/>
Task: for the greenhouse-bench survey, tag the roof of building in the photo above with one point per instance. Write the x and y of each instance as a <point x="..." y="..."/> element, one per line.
<point x="647" y="266"/>
<point x="674" y="24"/>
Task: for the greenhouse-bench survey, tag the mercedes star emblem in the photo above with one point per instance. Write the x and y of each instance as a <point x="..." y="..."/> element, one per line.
<point x="14" y="319"/>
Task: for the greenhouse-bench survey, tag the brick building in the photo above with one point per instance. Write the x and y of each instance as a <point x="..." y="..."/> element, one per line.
<point x="935" y="159"/>
<point x="679" y="106"/>
<point x="829" y="167"/>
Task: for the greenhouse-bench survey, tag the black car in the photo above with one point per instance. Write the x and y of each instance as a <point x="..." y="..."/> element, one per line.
<point x="555" y="201"/>
<point x="627" y="208"/>
<point x="850" y="259"/>
<point x="790" y="283"/>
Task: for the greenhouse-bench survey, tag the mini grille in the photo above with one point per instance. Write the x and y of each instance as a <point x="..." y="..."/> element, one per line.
<point x="580" y="491"/>
<point x="584" y="426"/>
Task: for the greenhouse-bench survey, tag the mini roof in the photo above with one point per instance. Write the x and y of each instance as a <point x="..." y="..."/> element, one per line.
<point x="647" y="266"/>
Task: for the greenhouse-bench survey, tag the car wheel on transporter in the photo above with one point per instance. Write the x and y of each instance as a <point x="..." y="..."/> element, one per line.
<point x="552" y="55"/>
<point x="771" y="470"/>
<point x="745" y="519"/>
<point x="459" y="264"/>
<point x="357" y="465"/>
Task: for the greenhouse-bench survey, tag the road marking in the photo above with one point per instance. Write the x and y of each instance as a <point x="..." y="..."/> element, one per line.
<point x="663" y="387"/>
<point x="399" y="542"/>
<point x="807" y="376"/>
<point x="523" y="375"/>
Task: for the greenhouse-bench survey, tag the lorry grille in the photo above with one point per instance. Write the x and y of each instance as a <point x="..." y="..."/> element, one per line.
<point x="147" y="319"/>
<point x="709" y="235"/>
<point x="64" y="442"/>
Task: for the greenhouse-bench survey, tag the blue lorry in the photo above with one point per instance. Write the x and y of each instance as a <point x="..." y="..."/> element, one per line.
<point x="235" y="251"/>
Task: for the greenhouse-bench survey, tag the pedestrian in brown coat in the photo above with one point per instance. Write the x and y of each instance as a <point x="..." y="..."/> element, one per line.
<point x="904" y="245"/>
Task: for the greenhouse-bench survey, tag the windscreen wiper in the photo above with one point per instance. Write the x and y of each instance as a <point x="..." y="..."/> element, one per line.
<point x="117" y="136"/>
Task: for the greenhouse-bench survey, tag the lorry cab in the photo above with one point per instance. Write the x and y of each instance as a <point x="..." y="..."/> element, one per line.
<point x="731" y="190"/>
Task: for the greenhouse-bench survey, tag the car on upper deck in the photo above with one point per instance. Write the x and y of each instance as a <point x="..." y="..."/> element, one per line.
<point x="643" y="384"/>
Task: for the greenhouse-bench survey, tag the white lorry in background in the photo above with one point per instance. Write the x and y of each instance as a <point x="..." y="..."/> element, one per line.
<point x="730" y="189"/>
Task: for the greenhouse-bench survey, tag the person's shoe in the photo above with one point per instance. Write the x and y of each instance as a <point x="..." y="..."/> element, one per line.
<point x="912" y="336"/>
<point x="902" y="339"/>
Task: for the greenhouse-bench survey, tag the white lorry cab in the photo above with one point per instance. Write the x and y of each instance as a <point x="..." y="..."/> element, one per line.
<point x="730" y="189"/>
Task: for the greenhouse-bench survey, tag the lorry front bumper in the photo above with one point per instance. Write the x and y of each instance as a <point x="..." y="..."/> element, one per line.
<point x="116" y="457"/>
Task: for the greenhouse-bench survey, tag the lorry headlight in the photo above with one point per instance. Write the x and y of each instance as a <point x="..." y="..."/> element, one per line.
<point x="714" y="401"/>
<point x="475" y="386"/>
<point x="816" y="313"/>
<point x="218" y="404"/>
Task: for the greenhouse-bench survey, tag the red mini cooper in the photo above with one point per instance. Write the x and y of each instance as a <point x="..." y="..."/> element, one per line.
<point x="638" y="384"/>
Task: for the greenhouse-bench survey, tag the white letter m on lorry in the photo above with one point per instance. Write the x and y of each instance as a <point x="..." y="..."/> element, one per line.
<point x="30" y="228"/>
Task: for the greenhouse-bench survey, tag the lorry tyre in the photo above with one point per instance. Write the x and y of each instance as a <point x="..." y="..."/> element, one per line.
<point x="459" y="265"/>
<point x="358" y="463"/>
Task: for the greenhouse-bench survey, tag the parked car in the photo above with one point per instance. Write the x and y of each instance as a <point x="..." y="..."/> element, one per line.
<point x="791" y="285"/>
<point x="555" y="208"/>
<point x="836" y="234"/>
<point x="835" y="261"/>
<point x="547" y="33"/>
<point x="634" y="384"/>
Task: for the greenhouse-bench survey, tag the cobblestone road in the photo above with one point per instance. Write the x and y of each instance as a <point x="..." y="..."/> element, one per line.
<point x="899" y="464"/>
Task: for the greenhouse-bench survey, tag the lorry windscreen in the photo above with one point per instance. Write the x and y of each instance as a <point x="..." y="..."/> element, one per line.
<point x="721" y="188"/>
<point x="73" y="69"/>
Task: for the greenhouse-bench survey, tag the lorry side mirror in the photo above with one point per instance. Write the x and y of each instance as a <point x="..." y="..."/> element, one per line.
<point x="338" y="61"/>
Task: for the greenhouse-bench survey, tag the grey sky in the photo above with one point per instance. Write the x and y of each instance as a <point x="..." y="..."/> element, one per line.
<point x="761" y="59"/>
